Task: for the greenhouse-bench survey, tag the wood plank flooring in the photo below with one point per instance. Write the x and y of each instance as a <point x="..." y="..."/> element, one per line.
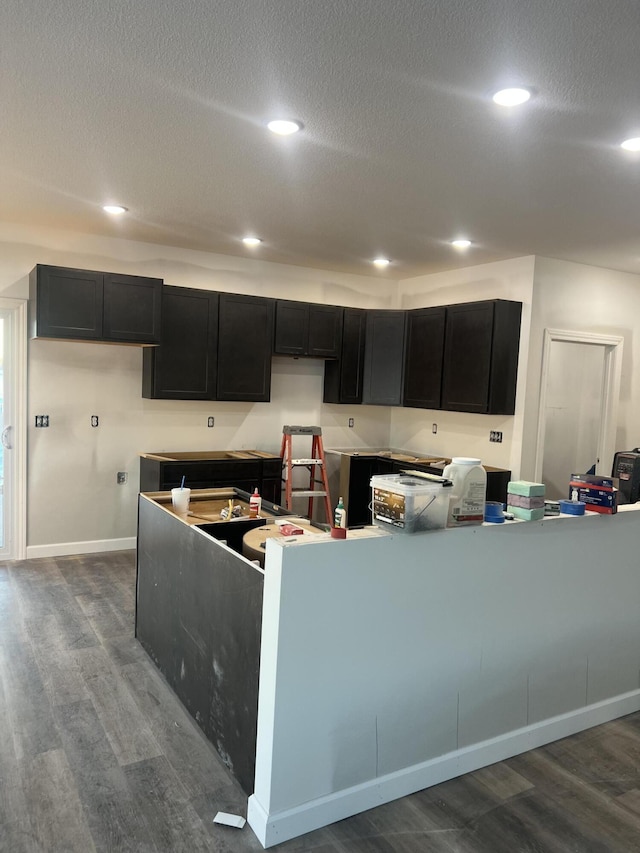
<point x="97" y="754"/>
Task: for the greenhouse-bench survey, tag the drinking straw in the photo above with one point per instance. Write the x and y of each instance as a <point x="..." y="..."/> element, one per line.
<point x="182" y="483"/>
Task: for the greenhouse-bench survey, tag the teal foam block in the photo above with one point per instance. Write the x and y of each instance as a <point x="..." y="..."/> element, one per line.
<point x="523" y="487"/>
<point x="526" y="514"/>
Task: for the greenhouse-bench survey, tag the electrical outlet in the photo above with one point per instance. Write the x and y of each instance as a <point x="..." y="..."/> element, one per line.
<point x="42" y="420"/>
<point x="94" y="420"/>
<point x="122" y="477"/>
<point x="210" y="421"/>
<point x="495" y="435"/>
<point x="434" y="428"/>
<point x="351" y="422"/>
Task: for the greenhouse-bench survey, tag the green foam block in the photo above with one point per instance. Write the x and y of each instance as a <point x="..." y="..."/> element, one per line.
<point x="526" y="514"/>
<point x="526" y="489"/>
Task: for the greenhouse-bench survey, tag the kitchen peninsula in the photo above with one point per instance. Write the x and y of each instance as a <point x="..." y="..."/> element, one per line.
<point x="389" y="663"/>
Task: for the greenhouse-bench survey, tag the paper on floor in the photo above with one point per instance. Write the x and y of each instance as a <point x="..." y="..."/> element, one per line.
<point x="229" y="819"/>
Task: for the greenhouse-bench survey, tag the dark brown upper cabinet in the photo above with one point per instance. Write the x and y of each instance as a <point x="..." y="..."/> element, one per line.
<point x="481" y="357"/>
<point x="423" y="358"/>
<point x="94" y="306"/>
<point x="183" y="367"/>
<point x="304" y="328"/>
<point x="343" y="378"/>
<point x="384" y="358"/>
<point x="245" y="343"/>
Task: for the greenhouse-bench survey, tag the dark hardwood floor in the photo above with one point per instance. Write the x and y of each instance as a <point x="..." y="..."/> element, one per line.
<point x="96" y="753"/>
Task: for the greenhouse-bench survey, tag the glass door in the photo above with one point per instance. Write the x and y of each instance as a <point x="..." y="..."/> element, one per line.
<point x="13" y="381"/>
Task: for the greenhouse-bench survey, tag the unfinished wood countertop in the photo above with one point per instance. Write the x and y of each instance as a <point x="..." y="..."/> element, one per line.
<point x="206" y="455"/>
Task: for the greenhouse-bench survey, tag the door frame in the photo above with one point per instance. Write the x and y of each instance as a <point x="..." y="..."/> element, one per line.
<point x="17" y="533"/>
<point x="609" y="398"/>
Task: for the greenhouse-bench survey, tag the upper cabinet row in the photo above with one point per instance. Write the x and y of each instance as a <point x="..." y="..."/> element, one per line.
<point x="462" y="358"/>
<point x="85" y="305"/>
<point x="218" y="346"/>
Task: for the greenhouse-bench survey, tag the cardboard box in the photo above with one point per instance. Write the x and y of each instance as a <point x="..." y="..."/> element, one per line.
<point x="599" y="493"/>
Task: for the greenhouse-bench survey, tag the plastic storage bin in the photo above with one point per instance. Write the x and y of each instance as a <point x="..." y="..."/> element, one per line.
<point x="405" y="504"/>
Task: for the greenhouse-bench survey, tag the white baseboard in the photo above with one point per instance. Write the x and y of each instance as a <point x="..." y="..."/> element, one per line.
<point x="95" y="546"/>
<point x="281" y="826"/>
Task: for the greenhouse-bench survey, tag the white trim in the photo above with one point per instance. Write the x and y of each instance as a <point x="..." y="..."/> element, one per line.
<point x="281" y="826"/>
<point x="94" y="546"/>
<point x="609" y="399"/>
<point x="16" y="535"/>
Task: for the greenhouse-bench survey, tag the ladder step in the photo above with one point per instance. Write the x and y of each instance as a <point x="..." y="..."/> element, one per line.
<point x="301" y="430"/>
<point x="306" y="461"/>
<point x="307" y="493"/>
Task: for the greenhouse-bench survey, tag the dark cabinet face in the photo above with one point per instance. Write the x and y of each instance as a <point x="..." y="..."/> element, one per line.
<point x="358" y="486"/>
<point x="481" y="357"/>
<point x="245" y="338"/>
<point x="423" y="358"/>
<point x="343" y="378"/>
<point x="183" y="367"/>
<point x="66" y="303"/>
<point x="467" y="357"/>
<point x="132" y="308"/>
<point x="307" y="329"/>
<point x="325" y="331"/>
<point x="90" y="305"/>
<point x="162" y="475"/>
<point x="384" y="358"/>
<point x="292" y="328"/>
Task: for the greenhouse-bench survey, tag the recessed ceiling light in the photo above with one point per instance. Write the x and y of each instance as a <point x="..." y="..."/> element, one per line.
<point x="511" y="97"/>
<point x="284" y="127"/>
<point x="381" y="262"/>
<point x="116" y="209"/>
<point x="251" y="241"/>
<point x="461" y="244"/>
<point x="631" y="144"/>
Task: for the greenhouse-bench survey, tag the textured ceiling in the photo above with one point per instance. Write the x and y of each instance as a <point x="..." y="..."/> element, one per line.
<point x="161" y="106"/>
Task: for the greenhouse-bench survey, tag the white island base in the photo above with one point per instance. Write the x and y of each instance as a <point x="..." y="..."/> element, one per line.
<point x="393" y="663"/>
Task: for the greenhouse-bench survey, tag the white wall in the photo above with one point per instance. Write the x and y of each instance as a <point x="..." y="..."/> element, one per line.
<point x="390" y="664"/>
<point x="461" y="433"/>
<point x="72" y="381"/>
<point x="575" y="297"/>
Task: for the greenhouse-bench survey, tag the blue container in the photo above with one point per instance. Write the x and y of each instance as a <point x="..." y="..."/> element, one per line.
<point x="493" y="512"/>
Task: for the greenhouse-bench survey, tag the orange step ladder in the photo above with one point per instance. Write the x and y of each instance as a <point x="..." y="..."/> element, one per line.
<point x="314" y="463"/>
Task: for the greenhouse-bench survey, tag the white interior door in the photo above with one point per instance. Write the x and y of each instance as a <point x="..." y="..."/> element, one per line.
<point x="578" y="407"/>
<point x="572" y="414"/>
<point x="13" y="381"/>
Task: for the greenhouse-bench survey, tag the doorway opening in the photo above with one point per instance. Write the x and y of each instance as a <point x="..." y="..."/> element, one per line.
<point x="13" y="444"/>
<point x="579" y="394"/>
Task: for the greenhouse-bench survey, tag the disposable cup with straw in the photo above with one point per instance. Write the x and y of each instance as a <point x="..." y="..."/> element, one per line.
<point x="180" y="499"/>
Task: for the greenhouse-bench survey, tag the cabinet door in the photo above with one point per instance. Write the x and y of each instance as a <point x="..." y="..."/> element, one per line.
<point x="132" y="308"/>
<point x="504" y="357"/>
<point x="292" y="328"/>
<point x="325" y="331"/>
<point x="467" y="357"/>
<point x="424" y="354"/>
<point x="481" y="357"/>
<point x="358" y="492"/>
<point x="65" y="303"/>
<point x="245" y="338"/>
<point x="343" y="378"/>
<point x="183" y="367"/>
<point x="384" y="358"/>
